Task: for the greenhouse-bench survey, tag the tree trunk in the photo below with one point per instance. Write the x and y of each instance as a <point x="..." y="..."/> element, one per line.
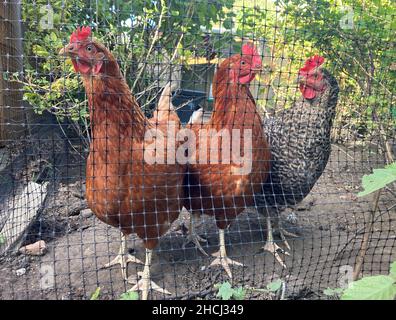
<point x="12" y="111"/>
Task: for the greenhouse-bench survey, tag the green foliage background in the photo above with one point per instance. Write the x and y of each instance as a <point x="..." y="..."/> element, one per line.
<point x="150" y="36"/>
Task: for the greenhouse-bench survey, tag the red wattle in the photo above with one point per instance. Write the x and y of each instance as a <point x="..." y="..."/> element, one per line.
<point x="307" y="92"/>
<point x="75" y="65"/>
<point x="97" y="67"/>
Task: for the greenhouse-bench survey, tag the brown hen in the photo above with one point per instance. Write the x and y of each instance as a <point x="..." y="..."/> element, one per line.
<point x="127" y="187"/>
<point x="226" y="187"/>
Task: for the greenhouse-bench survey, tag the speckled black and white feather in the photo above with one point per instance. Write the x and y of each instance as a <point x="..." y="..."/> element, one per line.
<point x="300" y="145"/>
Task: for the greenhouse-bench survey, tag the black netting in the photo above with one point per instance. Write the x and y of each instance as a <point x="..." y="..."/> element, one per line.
<point x="223" y="65"/>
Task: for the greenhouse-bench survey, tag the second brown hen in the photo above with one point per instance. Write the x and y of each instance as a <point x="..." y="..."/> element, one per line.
<point x="224" y="188"/>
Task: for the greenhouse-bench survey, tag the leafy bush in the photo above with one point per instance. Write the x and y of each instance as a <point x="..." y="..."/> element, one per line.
<point x="147" y="37"/>
<point x="150" y="38"/>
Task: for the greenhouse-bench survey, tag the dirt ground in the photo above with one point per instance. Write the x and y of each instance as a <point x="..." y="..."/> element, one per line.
<point x="328" y="223"/>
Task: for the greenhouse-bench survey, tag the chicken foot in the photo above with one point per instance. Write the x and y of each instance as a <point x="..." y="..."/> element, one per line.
<point x="193" y="235"/>
<point x="145" y="284"/>
<point x="282" y="232"/>
<point x="221" y="256"/>
<point x="272" y="247"/>
<point x="123" y="258"/>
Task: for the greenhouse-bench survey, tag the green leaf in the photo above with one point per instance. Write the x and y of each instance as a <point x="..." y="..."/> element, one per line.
<point x="333" y="292"/>
<point x="392" y="271"/>
<point x="225" y="291"/>
<point x="130" y="295"/>
<point x="2" y="239"/>
<point x="53" y="37"/>
<point x="378" y="179"/>
<point x="371" y="288"/>
<point x="228" y="23"/>
<point x="274" y="285"/>
<point x="239" y="293"/>
<point x="95" y="295"/>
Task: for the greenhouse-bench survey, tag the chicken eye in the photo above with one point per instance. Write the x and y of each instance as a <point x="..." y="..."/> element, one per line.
<point x="89" y="48"/>
<point x="243" y="63"/>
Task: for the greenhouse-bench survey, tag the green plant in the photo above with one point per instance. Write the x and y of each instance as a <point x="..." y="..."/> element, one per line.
<point x="227" y="292"/>
<point x="2" y="239"/>
<point x="333" y="293"/>
<point x="129" y="295"/>
<point x="379" y="287"/>
<point x="95" y="295"/>
<point x="378" y="179"/>
<point x="147" y="38"/>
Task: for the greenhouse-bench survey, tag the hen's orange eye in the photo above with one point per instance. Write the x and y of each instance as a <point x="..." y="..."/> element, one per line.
<point x="243" y="63"/>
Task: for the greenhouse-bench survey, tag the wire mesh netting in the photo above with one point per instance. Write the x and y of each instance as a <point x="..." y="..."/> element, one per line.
<point x="204" y="142"/>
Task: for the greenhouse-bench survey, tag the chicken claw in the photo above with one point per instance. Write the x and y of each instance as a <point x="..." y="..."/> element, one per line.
<point x="145" y="284"/>
<point x="272" y="247"/>
<point x="221" y="256"/>
<point x="123" y="258"/>
<point x="282" y="232"/>
<point x="194" y="237"/>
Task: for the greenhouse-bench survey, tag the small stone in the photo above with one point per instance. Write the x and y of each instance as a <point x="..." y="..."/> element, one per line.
<point x="20" y="272"/>
<point x="86" y="213"/>
<point x="38" y="248"/>
<point x="203" y="268"/>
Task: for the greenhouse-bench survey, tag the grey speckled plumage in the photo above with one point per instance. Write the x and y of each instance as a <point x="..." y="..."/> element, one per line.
<point x="300" y="146"/>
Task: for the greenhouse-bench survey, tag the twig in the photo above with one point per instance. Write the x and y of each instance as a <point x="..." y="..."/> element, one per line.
<point x="366" y="237"/>
<point x="184" y="104"/>
<point x="156" y="36"/>
<point x="346" y="153"/>
<point x="359" y="232"/>
<point x="283" y="290"/>
<point x="68" y="140"/>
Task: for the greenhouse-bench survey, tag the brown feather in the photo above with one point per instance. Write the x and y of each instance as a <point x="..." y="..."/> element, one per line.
<point x="123" y="190"/>
<point x="213" y="189"/>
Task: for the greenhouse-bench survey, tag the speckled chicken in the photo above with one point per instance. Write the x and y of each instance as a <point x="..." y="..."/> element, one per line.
<point x="300" y="143"/>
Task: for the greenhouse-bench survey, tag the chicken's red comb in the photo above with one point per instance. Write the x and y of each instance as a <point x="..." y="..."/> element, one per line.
<point x="312" y="62"/>
<point x="249" y="49"/>
<point x="80" y="34"/>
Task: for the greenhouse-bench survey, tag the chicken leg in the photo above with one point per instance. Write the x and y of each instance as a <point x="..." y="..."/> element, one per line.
<point x="123" y="258"/>
<point x="145" y="284"/>
<point x="271" y="246"/>
<point x="221" y="256"/>
<point x="193" y="235"/>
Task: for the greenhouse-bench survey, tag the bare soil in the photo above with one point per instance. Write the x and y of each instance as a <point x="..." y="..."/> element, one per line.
<point x="329" y="223"/>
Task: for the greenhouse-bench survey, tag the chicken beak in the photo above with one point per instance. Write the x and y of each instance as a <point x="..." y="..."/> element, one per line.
<point x="62" y="52"/>
<point x="68" y="50"/>
<point x="301" y="79"/>
<point x="256" y="70"/>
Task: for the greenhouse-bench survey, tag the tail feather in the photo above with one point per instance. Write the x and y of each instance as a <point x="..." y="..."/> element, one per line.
<point x="196" y="117"/>
<point x="165" y="108"/>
